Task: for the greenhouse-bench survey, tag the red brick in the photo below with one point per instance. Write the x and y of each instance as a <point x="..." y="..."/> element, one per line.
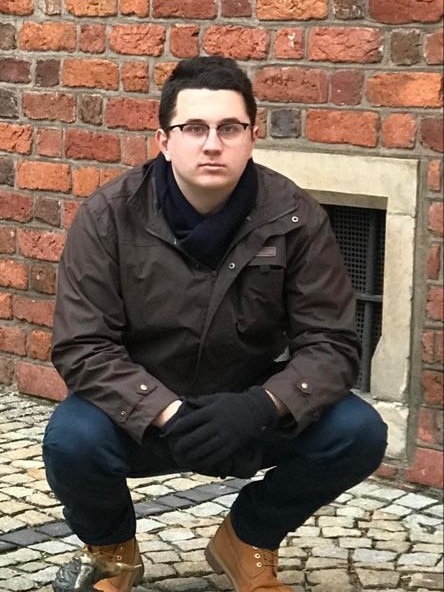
<point x="436" y="218"/>
<point x="261" y="122"/>
<point x="15" y="138"/>
<point x="13" y="274"/>
<point x="135" y="76"/>
<point x="199" y="9"/>
<point x="344" y="44"/>
<point x="302" y="10"/>
<point x="434" y="176"/>
<point x="81" y="144"/>
<point x="17" y="7"/>
<point x="346" y="87"/>
<point x="47" y="209"/>
<point x="439" y="346"/>
<point x="92" y="38"/>
<point x="137" y="39"/>
<point x="432" y="133"/>
<point x="434" y="263"/>
<point x="47" y="73"/>
<point x="132" y="114"/>
<point x="236" y="8"/>
<point x="85" y="181"/>
<point x="359" y="128"/>
<point x="291" y="84"/>
<point x="49" y="141"/>
<point x="12" y="340"/>
<point x="162" y="71"/>
<point x="138" y="7"/>
<point x="242" y="43"/>
<point x="14" y="206"/>
<point x="134" y="150"/>
<point x="433" y="386"/>
<point x="7" y="240"/>
<point x="43" y="278"/>
<point x="70" y="209"/>
<point x="184" y="41"/>
<point x="6" y="370"/>
<point x="405" y="89"/>
<point x="42" y="381"/>
<point x="434" y="50"/>
<point x="13" y="70"/>
<point x="428" y="347"/>
<point x="426" y="426"/>
<point x="40" y="244"/>
<point x="38" y="345"/>
<point x="405" y="11"/>
<point x="399" y="130"/>
<point x="435" y="304"/>
<point x="289" y="43"/>
<point x="47" y="36"/>
<point x="91" y="74"/>
<point x="39" y="312"/>
<point x="53" y="106"/>
<point x="88" y="8"/>
<point x="43" y="175"/>
<point x="427" y="468"/>
<point x="5" y="305"/>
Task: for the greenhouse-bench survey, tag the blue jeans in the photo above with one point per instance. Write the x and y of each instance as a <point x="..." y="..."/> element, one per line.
<point x="88" y="458"/>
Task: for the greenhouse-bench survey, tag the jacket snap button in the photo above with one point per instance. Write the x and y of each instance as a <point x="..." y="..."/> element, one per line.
<point x="295" y="219"/>
<point x="143" y="387"/>
<point x="231" y="265"/>
<point x="123" y="413"/>
<point x="304" y="385"/>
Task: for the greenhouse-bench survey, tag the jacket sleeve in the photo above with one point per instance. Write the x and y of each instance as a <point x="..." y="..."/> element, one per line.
<point x="320" y="308"/>
<point x="89" y="324"/>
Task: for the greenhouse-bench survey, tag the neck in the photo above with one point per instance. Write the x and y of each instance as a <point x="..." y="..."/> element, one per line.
<point x="205" y="201"/>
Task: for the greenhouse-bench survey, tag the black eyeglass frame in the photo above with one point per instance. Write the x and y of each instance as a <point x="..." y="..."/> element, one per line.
<point x="216" y="127"/>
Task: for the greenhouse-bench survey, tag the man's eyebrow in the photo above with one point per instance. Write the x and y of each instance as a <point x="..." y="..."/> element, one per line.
<point x="225" y="120"/>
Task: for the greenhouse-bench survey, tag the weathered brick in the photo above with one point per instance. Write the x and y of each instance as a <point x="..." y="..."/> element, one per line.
<point x="7" y="240"/>
<point x="138" y="7"/>
<point x="200" y="9"/>
<point x="90" y="73"/>
<point x="137" y="39"/>
<point x="345" y="44"/>
<point x="47" y="209"/>
<point x="346" y="87"/>
<point x="236" y="8"/>
<point x="405" y="47"/>
<point x="41" y="381"/>
<point x="291" y="84"/>
<point x="43" y="278"/>
<point x="427" y="468"/>
<point x="434" y="175"/>
<point x="14" y="206"/>
<point x="82" y="144"/>
<point x="15" y="138"/>
<point x="132" y="114"/>
<point x="397" y="12"/>
<point x="433" y="387"/>
<point x="348" y="9"/>
<point x="17" y="7"/>
<point x="91" y="109"/>
<point x="435" y="303"/>
<point x="162" y="71"/>
<point x="242" y="43"/>
<point x="399" y="130"/>
<point x="43" y="175"/>
<point x="428" y="342"/>
<point x="38" y="345"/>
<point x="13" y="274"/>
<point x="52" y="7"/>
<point x="38" y="312"/>
<point x="5" y="305"/>
<point x="47" y="36"/>
<point x="434" y="263"/>
<point x="184" y="41"/>
<point x="7" y="36"/>
<point x="434" y="50"/>
<point x="85" y="180"/>
<point x="92" y="38"/>
<point x="7" y="370"/>
<point x="261" y="122"/>
<point x="435" y="216"/>
<point x="70" y="209"/>
<point x="299" y="10"/>
<point x="47" y="73"/>
<point x="135" y="76"/>
<point x="134" y="150"/>
<point x="12" y="340"/>
<point x="285" y="123"/>
<point x="426" y="426"/>
<point x="95" y="8"/>
<point x="49" y="141"/>
<point x="432" y="133"/>
<point x="52" y="106"/>
<point x="289" y="43"/>
<point x="405" y="89"/>
<point x="14" y="70"/>
<point x="40" y="244"/>
<point x="8" y="104"/>
<point x="359" y="128"/>
<point x="7" y="174"/>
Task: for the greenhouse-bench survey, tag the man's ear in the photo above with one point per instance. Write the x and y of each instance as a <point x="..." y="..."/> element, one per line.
<point x="162" y="142"/>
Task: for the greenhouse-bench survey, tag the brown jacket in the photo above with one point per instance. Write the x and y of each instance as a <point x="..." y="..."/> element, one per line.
<point x="138" y="322"/>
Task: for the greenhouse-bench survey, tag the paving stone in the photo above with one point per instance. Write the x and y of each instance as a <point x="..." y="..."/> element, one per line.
<point x="371" y="578"/>
<point x="372" y="556"/>
<point x="415" y="501"/>
<point x="428" y="581"/>
<point x="24" y="538"/>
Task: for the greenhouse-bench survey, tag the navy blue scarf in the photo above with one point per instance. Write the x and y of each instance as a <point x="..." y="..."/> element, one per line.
<point x="205" y="237"/>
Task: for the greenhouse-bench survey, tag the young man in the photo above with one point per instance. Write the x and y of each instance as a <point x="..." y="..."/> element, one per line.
<point x="180" y="285"/>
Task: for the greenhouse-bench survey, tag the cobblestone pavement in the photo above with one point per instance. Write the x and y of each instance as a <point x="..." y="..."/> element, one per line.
<point x="374" y="538"/>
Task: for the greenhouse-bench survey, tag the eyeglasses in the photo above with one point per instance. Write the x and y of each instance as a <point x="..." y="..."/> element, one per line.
<point x="199" y="132"/>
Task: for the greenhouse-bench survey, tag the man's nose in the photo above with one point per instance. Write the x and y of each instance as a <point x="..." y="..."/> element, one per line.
<point x="212" y="142"/>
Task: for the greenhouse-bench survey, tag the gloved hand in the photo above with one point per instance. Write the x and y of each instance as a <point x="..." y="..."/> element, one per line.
<point x="223" y="423"/>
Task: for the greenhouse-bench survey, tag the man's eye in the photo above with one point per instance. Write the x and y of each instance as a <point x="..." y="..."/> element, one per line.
<point x="195" y="129"/>
<point x="228" y="128"/>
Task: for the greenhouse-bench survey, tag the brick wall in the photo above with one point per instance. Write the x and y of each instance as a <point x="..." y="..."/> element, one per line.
<point x="79" y="89"/>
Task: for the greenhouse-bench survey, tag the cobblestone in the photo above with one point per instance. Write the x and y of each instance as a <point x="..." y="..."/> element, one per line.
<point x="373" y="538"/>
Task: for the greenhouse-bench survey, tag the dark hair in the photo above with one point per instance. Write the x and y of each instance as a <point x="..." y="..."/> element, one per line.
<point x="213" y="73"/>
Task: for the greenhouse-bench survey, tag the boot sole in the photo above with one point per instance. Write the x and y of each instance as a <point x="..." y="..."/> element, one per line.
<point x="217" y="565"/>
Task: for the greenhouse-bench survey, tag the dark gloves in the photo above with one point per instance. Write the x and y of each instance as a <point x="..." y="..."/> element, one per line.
<point x="221" y="425"/>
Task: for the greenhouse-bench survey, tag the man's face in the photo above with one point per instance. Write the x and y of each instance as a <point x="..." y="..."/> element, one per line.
<point x="208" y="165"/>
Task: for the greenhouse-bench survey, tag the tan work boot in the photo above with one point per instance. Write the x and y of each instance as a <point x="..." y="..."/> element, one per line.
<point x="126" y="559"/>
<point x="249" y="568"/>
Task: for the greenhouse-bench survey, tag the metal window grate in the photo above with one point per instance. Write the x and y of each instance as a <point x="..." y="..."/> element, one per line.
<point x="360" y="233"/>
